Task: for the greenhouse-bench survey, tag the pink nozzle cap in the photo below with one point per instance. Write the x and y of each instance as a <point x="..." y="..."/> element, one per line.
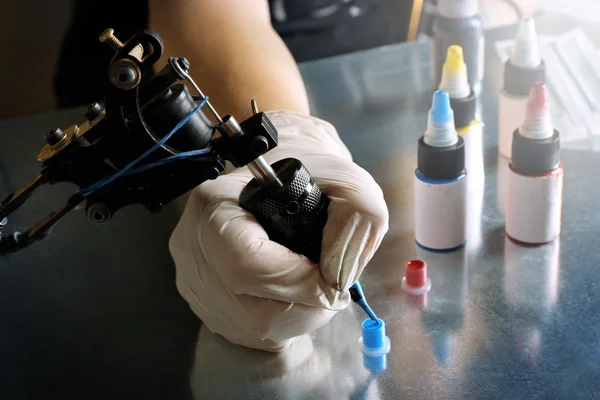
<point x="538" y="97"/>
<point x="538" y="121"/>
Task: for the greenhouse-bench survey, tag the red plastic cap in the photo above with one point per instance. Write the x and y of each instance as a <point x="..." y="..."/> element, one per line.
<point x="416" y="273"/>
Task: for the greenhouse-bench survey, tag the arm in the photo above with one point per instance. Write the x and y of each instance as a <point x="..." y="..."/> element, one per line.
<point x="505" y="12"/>
<point x="234" y="51"/>
<point x="242" y="285"/>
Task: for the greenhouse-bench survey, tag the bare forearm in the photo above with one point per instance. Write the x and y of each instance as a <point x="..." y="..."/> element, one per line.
<point x="504" y="12"/>
<point x="234" y="52"/>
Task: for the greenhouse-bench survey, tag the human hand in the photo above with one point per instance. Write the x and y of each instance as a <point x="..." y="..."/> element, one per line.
<point x="255" y="292"/>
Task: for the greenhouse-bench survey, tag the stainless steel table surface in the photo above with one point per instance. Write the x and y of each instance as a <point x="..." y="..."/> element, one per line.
<point x="92" y="312"/>
<point x="500" y="322"/>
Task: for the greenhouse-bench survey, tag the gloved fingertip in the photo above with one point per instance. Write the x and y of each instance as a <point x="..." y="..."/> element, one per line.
<point x="330" y="275"/>
<point x="281" y="346"/>
<point x="349" y="279"/>
<point x="337" y="287"/>
<point x="340" y="298"/>
<point x="348" y="285"/>
<point x="331" y="296"/>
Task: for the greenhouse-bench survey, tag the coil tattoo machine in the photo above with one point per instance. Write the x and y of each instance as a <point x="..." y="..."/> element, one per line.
<point x="151" y="142"/>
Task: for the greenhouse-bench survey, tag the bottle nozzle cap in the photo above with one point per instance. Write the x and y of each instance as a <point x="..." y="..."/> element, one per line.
<point x="527" y="30"/>
<point x="526" y="53"/>
<point x="538" y="121"/>
<point x="441" y="131"/>
<point x="538" y="97"/>
<point x="440" y="107"/>
<point x="454" y="58"/>
<point x="454" y="74"/>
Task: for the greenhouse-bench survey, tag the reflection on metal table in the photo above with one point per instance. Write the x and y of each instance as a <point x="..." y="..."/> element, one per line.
<point x="94" y="313"/>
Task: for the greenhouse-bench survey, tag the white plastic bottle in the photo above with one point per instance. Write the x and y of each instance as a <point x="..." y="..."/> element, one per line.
<point x="440" y="181"/>
<point x="535" y="176"/>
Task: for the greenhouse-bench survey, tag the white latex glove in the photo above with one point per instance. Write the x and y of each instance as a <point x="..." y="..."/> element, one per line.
<point x="255" y="292"/>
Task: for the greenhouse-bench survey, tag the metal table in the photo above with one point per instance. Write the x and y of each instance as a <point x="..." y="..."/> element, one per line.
<point x="93" y="312"/>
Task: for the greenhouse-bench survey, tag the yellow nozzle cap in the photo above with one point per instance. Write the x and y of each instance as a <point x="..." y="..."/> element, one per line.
<point x="454" y="59"/>
<point x="454" y="74"/>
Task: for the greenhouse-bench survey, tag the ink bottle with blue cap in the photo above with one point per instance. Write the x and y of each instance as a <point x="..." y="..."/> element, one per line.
<point x="441" y="181"/>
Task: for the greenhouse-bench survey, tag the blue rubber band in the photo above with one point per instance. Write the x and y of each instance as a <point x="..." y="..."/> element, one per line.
<point x="103" y="182"/>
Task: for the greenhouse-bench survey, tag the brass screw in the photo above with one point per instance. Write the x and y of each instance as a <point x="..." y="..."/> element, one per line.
<point x="109" y="37"/>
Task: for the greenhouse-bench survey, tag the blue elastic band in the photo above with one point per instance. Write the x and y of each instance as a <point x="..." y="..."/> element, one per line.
<point x="103" y="182"/>
<point x="175" y="157"/>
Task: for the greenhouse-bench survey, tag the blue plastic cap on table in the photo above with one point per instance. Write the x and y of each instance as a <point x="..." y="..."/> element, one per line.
<point x="374" y="342"/>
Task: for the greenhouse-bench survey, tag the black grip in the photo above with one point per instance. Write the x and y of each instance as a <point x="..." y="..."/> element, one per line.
<point x="294" y="214"/>
<point x="355" y="295"/>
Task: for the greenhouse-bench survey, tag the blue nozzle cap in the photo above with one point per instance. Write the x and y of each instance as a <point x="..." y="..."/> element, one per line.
<point x="441" y="131"/>
<point x="374" y="342"/>
<point x="440" y="107"/>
